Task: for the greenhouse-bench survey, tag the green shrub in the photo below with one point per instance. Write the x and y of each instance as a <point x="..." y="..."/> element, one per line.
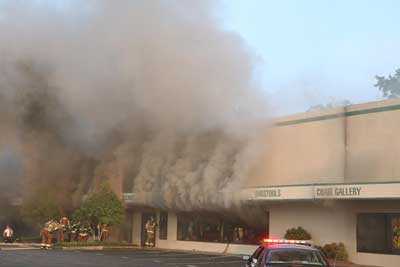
<point x="298" y="233"/>
<point x="101" y="206"/>
<point x="336" y="251"/>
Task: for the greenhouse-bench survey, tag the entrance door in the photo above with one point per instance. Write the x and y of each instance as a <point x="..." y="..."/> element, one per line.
<point x="127" y="229"/>
<point x="146" y="216"/>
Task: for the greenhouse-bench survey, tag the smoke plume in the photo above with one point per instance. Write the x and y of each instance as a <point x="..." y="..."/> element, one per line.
<point x="153" y="95"/>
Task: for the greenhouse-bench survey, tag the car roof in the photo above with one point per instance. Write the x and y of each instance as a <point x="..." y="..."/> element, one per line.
<point x="289" y="246"/>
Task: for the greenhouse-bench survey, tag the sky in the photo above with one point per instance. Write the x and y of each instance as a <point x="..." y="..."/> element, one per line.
<point x="315" y="51"/>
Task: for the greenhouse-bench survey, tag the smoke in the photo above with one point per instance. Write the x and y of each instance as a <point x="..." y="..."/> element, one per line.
<point x="153" y="95"/>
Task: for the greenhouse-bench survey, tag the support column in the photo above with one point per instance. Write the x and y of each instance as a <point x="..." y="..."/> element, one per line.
<point x="136" y="228"/>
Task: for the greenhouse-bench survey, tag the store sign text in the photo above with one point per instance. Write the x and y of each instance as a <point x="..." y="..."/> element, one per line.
<point x="353" y="191"/>
<point x="327" y="191"/>
<point x="268" y="193"/>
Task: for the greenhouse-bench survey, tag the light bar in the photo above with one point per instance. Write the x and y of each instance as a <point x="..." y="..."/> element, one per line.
<point x="286" y="241"/>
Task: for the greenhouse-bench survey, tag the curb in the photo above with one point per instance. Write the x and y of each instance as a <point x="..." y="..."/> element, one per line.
<point x="19" y="248"/>
<point x="84" y="248"/>
<point x="97" y="247"/>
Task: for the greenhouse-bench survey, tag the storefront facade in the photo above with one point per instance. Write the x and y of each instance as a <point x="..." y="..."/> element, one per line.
<point x="335" y="173"/>
<point x="365" y="217"/>
<point x="173" y="233"/>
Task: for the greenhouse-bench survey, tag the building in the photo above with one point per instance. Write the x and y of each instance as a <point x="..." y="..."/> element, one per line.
<point x="335" y="173"/>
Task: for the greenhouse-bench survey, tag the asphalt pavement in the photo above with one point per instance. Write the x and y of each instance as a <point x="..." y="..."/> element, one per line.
<point x="114" y="258"/>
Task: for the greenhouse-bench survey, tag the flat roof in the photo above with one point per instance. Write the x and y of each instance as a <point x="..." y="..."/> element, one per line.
<point x="339" y="112"/>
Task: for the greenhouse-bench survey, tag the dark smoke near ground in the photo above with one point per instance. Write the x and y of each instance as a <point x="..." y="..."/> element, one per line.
<point x="153" y="95"/>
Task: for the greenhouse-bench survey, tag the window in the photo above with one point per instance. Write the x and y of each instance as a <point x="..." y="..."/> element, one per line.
<point x="195" y="227"/>
<point x="371" y="233"/>
<point x="395" y="233"/>
<point x="258" y="254"/>
<point x="163" y="225"/>
<point x="214" y="227"/>
<point x="378" y="233"/>
<point x="279" y="257"/>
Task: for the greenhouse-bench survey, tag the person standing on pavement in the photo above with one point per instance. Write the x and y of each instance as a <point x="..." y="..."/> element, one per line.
<point x="8" y="234"/>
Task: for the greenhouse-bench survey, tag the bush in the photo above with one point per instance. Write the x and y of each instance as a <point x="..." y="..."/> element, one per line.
<point x="335" y="251"/>
<point x="101" y="206"/>
<point x="298" y="233"/>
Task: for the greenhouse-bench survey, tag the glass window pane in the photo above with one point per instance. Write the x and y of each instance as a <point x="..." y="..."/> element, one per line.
<point x="295" y="256"/>
<point x="163" y="225"/>
<point x="216" y="227"/>
<point x="395" y="233"/>
<point x="371" y="233"/>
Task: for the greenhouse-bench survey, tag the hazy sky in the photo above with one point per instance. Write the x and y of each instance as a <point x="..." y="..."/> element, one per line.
<point x="315" y="50"/>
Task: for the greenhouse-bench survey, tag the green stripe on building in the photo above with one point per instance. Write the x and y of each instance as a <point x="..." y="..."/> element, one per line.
<point x="338" y="115"/>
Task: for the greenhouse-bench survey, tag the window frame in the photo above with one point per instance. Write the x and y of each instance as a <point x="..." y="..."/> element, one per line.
<point x="388" y="250"/>
<point x="184" y="218"/>
<point x="163" y="234"/>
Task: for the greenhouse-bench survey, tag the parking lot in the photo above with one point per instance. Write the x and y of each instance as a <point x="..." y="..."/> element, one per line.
<point x="114" y="258"/>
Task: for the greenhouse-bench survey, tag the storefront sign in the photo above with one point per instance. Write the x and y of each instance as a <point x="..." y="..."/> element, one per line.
<point x="357" y="191"/>
<point x="331" y="191"/>
<point x="280" y="193"/>
<point x="268" y="193"/>
<point x="337" y="192"/>
<point x="128" y="197"/>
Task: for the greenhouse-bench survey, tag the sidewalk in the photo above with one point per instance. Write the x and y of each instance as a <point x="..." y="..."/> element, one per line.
<point x="19" y="246"/>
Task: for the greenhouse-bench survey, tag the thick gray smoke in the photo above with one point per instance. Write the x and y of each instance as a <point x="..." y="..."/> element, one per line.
<point x="153" y="95"/>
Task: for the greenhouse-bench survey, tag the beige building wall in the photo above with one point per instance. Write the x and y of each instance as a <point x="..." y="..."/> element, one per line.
<point x="355" y="144"/>
<point x="302" y="152"/>
<point x="373" y="142"/>
<point x="326" y="222"/>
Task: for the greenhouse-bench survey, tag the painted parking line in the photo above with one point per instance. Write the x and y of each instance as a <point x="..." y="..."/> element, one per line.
<point x="193" y="260"/>
<point x="214" y="259"/>
<point x="202" y="263"/>
<point x="160" y="256"/>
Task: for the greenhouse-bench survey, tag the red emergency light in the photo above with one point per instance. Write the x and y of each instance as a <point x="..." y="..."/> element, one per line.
<point x="286" y="241"/>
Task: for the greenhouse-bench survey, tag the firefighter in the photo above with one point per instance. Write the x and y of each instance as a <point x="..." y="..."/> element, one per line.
<point x="150" y="228"/>
<point x="104" y="232"/>
<point x="65" y="224"/>
<point x="8" y="234"/>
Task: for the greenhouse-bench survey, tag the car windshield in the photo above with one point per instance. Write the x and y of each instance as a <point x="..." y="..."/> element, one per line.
<point x="301" y="257"/>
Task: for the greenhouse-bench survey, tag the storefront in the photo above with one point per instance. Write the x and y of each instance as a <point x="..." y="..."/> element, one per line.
<point x="364" y="216"/>
<point x="212" y="231"/>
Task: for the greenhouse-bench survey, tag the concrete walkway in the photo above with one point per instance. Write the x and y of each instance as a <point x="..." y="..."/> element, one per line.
<point x="19" y="246"/>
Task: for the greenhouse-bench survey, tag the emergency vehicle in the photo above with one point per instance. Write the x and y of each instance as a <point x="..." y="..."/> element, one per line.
<point x="286" y="253"/>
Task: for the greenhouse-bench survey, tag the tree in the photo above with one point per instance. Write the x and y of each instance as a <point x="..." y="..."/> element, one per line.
<point x="389" y="86"/>
<point x="39" y="208"/>
<point x="101" y="206"/>
<point x="332" y="104"/>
